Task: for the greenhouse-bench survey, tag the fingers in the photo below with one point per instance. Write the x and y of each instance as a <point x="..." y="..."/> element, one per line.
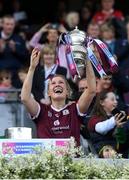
<point x="119" y="116"/>
<point x="120" y="124"/>
<point x="35" y="52"/>
<point x="119" y="119"/>
<point x="123" y="112"/>
<point x="47" y="25"/>
<point x="35" y="56"/>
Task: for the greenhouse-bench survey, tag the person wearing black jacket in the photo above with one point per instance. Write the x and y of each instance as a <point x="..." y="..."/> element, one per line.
<point x="13" y="53"/>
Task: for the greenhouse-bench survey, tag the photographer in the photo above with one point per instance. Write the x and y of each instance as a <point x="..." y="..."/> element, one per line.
<point x="103" y="124"/>
<point x="52" y="31"/>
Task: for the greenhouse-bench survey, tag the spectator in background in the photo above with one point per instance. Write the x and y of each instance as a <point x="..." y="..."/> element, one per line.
<point x="5" y="79"/>
<point x="82" y="85"/>
<point x="122" y="50"/>
<point x="93" y="30"/>
<point x="44" y="71"/>
<point x="119" y="83"/>
<point x="19" y="15"/>
<point x="118" y="47"/>
<point x="6" y="84"/>
<point x="52" y="31"/>
<point x="108" y="36"/>
<point x="72" y="20"/>
<point x="13" y="52"/>
<point x="107" y="12"/>
<point x="104" y="83"/>
<point x="102" y="124"/>
<point x="61" y="12"/>
<point x="22" y="72"/>
<point x="24" y="34"/>
<point x="85" y="17"/>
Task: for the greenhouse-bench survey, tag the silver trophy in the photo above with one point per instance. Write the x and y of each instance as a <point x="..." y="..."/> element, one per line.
<point x="75" y="47"/>
<point x="78" y="47"/>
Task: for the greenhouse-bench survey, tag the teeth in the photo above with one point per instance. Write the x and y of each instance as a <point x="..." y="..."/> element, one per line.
<point x="58" y="90"/>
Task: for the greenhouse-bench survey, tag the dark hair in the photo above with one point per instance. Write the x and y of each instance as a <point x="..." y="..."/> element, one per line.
<point x="98" y="108"/>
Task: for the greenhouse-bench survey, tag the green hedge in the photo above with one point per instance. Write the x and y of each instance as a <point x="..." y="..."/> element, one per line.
<point x="60" y="165"/>
<point x="54" y="167"/>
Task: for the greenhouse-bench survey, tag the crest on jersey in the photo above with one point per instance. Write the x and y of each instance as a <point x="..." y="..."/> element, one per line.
<point x="65" y="112"/>
<point x="56" y="123"/>
<point x="49" y="114"/>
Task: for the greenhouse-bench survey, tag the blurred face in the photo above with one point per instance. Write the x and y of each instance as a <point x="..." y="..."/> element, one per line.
<point x="93" y="31"/>
<point x="109" y="103"/>
<point x="108" y="35"/>
<point x="8" y="25"/>
<point x="75" y="20"/>
<point x="49" y="58"/>
<point x="105" y="82"/>
<point x="6" y="80"/>
<point x="85" y="14"/>
<point x="22" y="76"/>
<point x="109" y="152"/>
<point x="52" y="35"/>
<point x="57" y="89"/>
<point x="82" y="85"/>
<point x="107" y="4"/>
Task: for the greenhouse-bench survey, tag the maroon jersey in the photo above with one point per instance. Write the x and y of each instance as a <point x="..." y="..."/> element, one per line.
<point x="63" y="123"/>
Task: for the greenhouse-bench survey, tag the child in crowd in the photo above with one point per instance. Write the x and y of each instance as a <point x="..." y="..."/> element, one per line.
<point x="103" y="123"/>
<point x="6" y="84"/>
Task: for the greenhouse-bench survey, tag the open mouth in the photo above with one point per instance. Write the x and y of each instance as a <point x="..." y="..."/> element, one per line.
<point x="58" y="90"/>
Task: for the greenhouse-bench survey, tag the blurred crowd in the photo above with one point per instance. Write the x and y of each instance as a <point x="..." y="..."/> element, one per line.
<point x="107" y="131"/>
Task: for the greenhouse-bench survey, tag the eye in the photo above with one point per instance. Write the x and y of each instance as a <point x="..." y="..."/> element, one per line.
<point x="53" y="82"/>
<point x="61" y="82"/>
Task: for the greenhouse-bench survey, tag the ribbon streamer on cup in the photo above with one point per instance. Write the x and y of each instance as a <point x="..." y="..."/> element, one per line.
<point x="66" y="54"/>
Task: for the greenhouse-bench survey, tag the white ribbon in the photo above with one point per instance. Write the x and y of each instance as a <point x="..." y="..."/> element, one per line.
<point x="95" y="62"/>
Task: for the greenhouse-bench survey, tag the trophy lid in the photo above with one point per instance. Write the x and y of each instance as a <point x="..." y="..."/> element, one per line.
<point x="76" y="30"/>
<point x="77" y="36"/>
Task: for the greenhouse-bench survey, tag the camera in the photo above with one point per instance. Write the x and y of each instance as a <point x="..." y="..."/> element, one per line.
<point x="117" y="111"/>
<point x="54" y="25"/>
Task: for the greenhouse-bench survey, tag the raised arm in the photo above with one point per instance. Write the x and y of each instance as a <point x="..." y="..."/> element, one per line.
<point x="34" y="42"/>
<point x="30" y="103"/>
<point x="88" y="95"/>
